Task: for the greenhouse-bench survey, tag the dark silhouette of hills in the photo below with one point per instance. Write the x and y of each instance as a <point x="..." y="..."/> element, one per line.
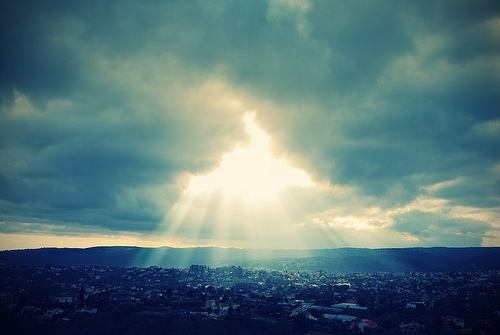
<point x="332" y="260"/>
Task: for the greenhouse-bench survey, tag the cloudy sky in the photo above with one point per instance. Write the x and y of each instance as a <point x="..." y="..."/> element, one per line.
<point x="280" y="123"/>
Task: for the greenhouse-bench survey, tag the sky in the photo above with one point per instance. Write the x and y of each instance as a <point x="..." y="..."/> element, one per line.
<point x="260" y="124"/>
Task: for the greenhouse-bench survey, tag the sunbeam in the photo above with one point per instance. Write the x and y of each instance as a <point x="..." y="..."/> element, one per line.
<point x="250" y="172"/>
<point x="239" y="202"/>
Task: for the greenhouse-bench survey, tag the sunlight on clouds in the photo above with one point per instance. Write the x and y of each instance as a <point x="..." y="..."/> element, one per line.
<point x="475" y="213"/>
<point x="41" y="240"/>
<point x="116" y="122"/>
<point x="49" y="239"/>
<point x="241" y="199"/>
<point x="441" y="206"/>
<point x="251" y="172"/>
<point x="442" y="185"/>
<point x="349" y="224"/>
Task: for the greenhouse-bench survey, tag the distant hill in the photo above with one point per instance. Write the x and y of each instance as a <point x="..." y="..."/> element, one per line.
<point x="332" y="260"/>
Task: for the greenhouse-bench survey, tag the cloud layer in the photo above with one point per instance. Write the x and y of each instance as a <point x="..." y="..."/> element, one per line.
<point x="107" y="109"/>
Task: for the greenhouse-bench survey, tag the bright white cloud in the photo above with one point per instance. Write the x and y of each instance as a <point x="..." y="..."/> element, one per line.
<point x="242" y="197"/>
<point x="251" y="171"/>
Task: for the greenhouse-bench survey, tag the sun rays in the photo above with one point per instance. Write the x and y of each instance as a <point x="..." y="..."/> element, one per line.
<point x="239" y="202"/>
<point x="250" y="172"/>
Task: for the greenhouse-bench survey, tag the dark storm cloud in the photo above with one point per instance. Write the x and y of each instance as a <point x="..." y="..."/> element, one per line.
<point x="384" y="97"/>
<point x="387" y="129"/>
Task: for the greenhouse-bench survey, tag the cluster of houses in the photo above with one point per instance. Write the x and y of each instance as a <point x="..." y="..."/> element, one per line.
<point x="357" y="303"/>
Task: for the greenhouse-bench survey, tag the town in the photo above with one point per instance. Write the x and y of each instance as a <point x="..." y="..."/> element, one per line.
<point x="236" y="300"/>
